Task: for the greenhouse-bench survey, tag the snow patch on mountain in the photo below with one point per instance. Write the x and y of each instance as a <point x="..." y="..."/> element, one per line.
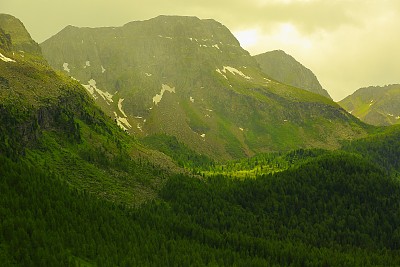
<point x="232" y="70"/>
<point x="120" y="106"/>
<point x="191" y="99"/>
<point x="220" y="72"/>
<point x="103" y="69"/>
<point x="92" y="89"/>
<point x="6" y="59"/>
<point x="157" y="98"/>
<point x="166" y="37"/>
<point x="65" y="66"/>
<point x="235" y="71"/>
<point x="123" y="123"/>
<point x="216" y="46"/>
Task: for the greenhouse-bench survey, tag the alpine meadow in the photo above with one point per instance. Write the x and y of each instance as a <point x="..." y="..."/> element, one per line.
<point x="163" y="142"/>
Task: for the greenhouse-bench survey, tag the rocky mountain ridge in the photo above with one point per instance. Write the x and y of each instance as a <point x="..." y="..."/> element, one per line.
<point x="190" y="78"/>
<point x="376" y="105"/>
<point x="286" y="69"/>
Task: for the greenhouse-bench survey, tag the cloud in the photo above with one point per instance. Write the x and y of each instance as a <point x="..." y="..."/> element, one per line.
<point x="354" y="53"/>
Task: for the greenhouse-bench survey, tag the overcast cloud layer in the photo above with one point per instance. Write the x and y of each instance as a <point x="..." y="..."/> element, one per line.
<point x="348" y="44"/>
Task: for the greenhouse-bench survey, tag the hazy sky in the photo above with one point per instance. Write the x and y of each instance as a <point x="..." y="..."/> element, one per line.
<point x="348" y="44"/>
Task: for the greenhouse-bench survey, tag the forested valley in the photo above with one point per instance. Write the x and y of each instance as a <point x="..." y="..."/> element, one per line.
<point x="335" y="209"/>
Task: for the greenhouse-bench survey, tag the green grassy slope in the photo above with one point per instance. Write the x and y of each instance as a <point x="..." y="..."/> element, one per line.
<point x="375" y="105"/>
<point x="215" y="98"/>
<point x="78" y="191"/>
<point x="49" y="120"/>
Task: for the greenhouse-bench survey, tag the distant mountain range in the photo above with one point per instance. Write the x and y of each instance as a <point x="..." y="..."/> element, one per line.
<point x="190" y="78"/>
<point x="376" y="105"/>
<point x="284" y="68"/>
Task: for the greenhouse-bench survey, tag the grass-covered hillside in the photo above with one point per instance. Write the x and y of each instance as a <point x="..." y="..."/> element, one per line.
<point x="189" y="78"/>
<point x="49" y="120"/>
<point x="76" y="190"/>
<point x="376" y="105"/>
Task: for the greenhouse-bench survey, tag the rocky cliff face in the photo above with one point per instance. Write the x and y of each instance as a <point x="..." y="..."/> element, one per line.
<point x="376" y="105"/>
<point x="5" y="41"/>
<point x="47" y="118"/>
<point x="190" y="78"/>
<point x="33" y="98"/>
<point x="284" y="68"/>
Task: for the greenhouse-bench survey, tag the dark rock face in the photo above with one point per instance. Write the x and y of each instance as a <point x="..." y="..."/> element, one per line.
<point x="284" y="68"/>
<point x="5" y="40"/>
<point x="33" y="97"/>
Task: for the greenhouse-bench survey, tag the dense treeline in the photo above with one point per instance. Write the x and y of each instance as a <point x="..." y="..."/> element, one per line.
<point x="179" y="152"/>
<point x="260" y="164"/>
<point x="337" y="203"/>
<point x="382" y="148"/>
<point x="336" y="210"/>
<point x="47" y="223"/>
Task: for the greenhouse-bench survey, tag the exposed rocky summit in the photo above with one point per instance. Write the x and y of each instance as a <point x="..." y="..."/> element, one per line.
<point x="284" y="68"/>
<point x="189" y="78"/>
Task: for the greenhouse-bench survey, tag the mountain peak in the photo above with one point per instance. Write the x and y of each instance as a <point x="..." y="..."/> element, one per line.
<point x="190" y="78"/>
<point x="376" y="105"/>
<point x="20" y="39"/>
<point x="286" y="69"/>
<point x="175" y="17"/>
<point x="186" y="27"/>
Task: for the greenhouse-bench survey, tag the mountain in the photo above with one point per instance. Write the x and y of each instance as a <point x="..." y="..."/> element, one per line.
<point x="78" y="191"/>
<point x="48" y="120"/>
<point x="284" y="68"/>
<point x="21" y="39"/>
<point x="189" y="78"/>
<point x="376" y="105"/>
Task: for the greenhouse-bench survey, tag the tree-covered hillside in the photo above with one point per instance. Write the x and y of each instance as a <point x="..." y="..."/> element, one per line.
<point x="76" y="190"/>
<point x="47" y="118"/>
<point x="337" y="210"/>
